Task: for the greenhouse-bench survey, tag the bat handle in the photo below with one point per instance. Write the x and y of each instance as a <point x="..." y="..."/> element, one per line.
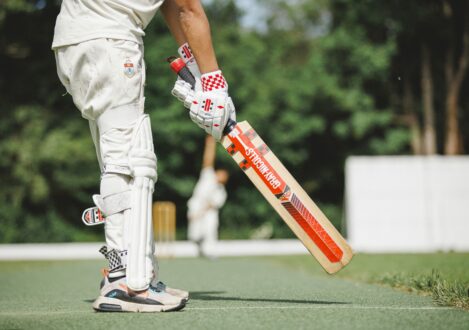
<point x="180" y="68"/>
<point x="230" y="125"/>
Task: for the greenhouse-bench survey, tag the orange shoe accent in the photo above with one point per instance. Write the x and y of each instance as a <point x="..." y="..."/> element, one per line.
<point x="104" y="272"/>
<point x="132" y="293"/>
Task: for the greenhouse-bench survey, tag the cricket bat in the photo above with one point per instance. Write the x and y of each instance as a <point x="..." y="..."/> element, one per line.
<point x="280" y="189"/>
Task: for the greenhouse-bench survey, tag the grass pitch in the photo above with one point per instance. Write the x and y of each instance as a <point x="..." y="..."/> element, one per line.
<point x="241" y="293"/>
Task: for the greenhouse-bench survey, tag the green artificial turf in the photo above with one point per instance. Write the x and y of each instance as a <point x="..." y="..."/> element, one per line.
<point x="237" y="293"/>
<point x="444" y="276"/>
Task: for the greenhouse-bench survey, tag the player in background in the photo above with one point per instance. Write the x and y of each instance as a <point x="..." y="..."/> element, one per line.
<point x="208" y="197"/>
<point x="98" y="47"/>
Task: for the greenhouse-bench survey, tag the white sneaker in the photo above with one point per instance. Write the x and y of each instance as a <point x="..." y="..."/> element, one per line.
<point x="117" y="297"/>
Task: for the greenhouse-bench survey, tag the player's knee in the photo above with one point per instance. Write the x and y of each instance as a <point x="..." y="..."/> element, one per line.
<point x="143" y="164"/>
<point x="142" y="158"/>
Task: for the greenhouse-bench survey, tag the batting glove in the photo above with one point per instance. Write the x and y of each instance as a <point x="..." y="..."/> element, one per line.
<point x="185" y="53"/>
<point x="211" y="107"/>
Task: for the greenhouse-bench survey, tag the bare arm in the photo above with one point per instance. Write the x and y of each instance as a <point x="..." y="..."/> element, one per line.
<point x="209" y="152"/>
<point x="187" y="22"/>
<point x="189" y="25"/>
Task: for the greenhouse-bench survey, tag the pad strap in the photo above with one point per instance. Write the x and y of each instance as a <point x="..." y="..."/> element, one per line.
<point x="106" y="206"/>
<point x="117" y="169"/>
<point x="117" y="259"/>
<point x="114" y="203"/>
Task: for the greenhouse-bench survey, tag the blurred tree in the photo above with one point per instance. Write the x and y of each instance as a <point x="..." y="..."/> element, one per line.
<point x="429" y="135"/>
<point x="457" y="21"/>
<point x="432" y="50"/>
<point x="48" y="168"/>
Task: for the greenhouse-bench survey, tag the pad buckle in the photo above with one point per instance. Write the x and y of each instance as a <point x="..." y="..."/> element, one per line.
<point x="93" y="216"/>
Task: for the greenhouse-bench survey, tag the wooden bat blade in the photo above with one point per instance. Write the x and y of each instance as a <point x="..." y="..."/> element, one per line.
<point x="287" y="197"/>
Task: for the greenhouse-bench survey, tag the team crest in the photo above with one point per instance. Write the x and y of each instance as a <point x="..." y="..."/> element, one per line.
<point x="129" y="68"/>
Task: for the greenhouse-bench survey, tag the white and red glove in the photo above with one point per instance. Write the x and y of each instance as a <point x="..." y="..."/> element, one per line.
<point x="210" y="106"/>
<point x="185" y="53"/>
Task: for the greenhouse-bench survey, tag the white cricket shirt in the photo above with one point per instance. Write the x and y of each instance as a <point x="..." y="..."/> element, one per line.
<point x="82" y="20"/>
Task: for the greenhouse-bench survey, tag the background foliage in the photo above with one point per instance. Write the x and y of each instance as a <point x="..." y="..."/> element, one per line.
<point x="319" y="80"/>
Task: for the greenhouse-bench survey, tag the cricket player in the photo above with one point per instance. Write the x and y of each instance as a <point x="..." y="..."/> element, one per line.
<point x="208" y="197"/>
<point x="98" y="48"/>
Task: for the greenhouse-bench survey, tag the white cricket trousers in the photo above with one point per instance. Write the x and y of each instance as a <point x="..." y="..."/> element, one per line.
<point x="106" y="79"/>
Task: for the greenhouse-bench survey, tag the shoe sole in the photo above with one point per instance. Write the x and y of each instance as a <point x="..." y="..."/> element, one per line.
<point x="183" y="297"/>
<point x="104" y="304"/>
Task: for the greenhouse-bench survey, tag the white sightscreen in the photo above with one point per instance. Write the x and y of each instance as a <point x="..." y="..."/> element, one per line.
<point x="407" y="203"/>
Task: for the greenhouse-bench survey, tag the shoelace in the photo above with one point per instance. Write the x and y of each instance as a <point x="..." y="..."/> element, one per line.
<point x="159" y="288"/>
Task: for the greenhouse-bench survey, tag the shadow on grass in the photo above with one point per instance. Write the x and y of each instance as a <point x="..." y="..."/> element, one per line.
<point x="213" y="295"/>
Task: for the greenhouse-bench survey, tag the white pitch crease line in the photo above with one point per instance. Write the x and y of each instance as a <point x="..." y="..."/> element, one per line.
<point x="322" y="307"/>
<point x="20" y="313"/>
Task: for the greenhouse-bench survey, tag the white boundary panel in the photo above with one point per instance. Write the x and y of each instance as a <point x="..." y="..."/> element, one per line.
<point x="68" y="251"/>
<point x="407" y="203"/>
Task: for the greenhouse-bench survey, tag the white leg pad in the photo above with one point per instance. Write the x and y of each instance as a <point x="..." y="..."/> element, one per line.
<point x="114" y="201"/>
<point x="139" y="231"/>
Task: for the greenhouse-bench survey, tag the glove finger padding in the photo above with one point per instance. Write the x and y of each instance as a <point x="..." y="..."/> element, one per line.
<point x="181" y="90"/>
<point x="210" y="111"/>
<point x="211" y="107"/>
<point x="231" y="109"/>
